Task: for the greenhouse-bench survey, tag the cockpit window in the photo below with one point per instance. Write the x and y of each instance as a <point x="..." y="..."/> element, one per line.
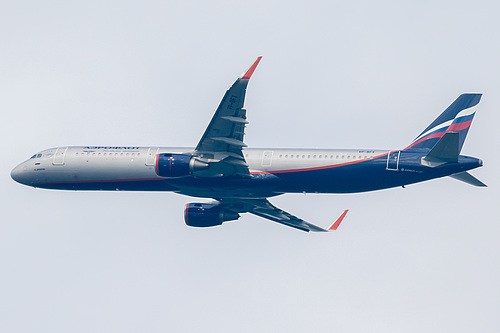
<point x="39" y="155"/>
<point x="33" y="156"/>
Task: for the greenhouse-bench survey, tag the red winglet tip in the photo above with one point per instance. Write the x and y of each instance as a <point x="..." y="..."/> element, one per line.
<point x="336" y="224"/>
<point x="248" y="74"/>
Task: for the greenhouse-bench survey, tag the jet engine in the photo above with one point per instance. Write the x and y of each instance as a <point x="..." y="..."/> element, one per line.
<point x="178" y="165"/>
<point x="207" y="215"/>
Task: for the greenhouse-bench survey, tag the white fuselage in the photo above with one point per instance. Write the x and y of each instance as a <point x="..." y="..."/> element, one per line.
<point x="107" y="163"/>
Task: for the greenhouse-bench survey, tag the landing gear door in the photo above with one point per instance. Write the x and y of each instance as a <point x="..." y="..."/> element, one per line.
<point x="59" y="156"/>
<point x="393" y="160"/>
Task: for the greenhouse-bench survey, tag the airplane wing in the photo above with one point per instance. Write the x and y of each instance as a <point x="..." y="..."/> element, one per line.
<point x="263" y="208"/>
<point x="222" y="142"/>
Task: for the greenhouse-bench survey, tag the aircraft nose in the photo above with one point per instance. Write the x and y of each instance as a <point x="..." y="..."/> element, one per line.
<point x="20" y="174"/>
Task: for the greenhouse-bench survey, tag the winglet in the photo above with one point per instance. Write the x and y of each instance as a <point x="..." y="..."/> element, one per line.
<point x="248" y="74"/>
<point x="336" y="224"/>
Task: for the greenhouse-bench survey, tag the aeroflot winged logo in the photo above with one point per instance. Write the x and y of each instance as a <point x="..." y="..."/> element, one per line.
<point x="239" y="179"/>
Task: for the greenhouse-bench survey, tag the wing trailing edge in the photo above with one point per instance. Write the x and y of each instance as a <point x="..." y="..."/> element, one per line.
<point x="263" y="208"/>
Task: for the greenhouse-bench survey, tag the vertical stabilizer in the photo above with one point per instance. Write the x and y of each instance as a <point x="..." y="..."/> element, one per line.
<point x="456" y="118"/>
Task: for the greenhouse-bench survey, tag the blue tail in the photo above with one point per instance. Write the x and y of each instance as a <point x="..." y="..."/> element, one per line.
<point x="456" y="118"/>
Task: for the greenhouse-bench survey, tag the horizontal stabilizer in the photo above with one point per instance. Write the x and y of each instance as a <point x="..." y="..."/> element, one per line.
<point x="468" y="178"/>
<point x="446" y="149"/>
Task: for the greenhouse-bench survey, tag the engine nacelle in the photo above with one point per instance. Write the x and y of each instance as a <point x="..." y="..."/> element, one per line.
<point x="178" y="165"/>
<point x="207" y="215"/>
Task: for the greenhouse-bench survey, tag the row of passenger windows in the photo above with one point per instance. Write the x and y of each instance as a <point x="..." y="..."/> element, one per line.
<point x="360" y="157"/>
<point x="107" y="154"/>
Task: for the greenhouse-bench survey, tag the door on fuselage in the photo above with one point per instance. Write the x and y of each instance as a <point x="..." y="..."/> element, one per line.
<point x="59" y="156"/>
<point x="267" y="158"/>
<point x="151" y="157"/>
<point x="393" y="160"/>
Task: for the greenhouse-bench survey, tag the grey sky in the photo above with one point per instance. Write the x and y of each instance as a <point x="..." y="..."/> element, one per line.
<point x="335" y="75"/>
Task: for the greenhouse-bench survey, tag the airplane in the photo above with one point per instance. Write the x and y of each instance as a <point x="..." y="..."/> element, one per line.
<point x="240" y="180"/>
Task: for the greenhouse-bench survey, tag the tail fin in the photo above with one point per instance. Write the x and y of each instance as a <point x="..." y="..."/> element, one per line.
<point x="456" y="118"/>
